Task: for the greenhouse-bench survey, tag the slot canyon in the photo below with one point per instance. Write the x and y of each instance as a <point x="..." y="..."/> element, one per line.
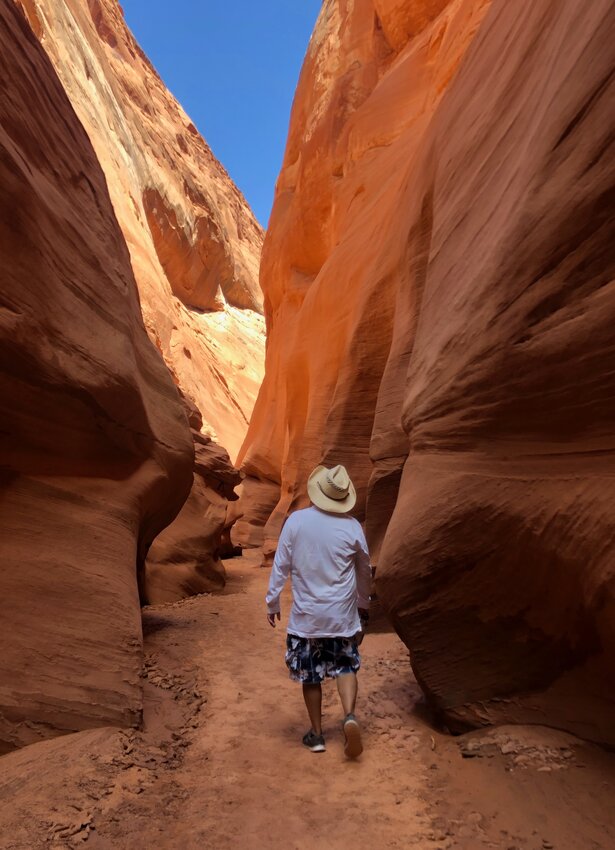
<point x="432" y="305"/>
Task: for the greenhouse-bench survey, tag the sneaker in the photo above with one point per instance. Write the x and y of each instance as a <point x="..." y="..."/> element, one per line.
<point x="352" y="731"/>
<point x="314" y="742"/>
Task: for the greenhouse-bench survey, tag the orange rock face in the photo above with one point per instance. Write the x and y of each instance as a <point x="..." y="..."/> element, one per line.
<point x="337" y="249"/>
<point x="95" y="451"/>
<point x="438" y="279"/>
<point x="194" y="243"/>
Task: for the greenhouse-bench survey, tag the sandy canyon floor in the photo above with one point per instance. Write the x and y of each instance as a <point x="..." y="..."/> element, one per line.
<point x="220" y="763"/>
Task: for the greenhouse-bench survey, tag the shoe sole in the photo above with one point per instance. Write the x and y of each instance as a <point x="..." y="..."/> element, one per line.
<point x="354" y="744"/>
<point x="319" y="748"/>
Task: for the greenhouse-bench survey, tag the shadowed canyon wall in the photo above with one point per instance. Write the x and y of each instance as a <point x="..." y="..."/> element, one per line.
<point x="95" y="451"/>
<point x="185" y="559"/>
<point x="194" y="243"/>
<point x="438" y="279"/>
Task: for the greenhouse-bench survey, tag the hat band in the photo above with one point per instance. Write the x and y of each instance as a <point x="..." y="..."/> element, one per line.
<point x="336" y="493"/>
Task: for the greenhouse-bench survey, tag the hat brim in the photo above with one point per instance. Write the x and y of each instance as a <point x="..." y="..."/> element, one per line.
<point x="332" y="506"/>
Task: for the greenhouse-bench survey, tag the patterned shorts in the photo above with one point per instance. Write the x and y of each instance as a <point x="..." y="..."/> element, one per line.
<point x="309" y="660"/>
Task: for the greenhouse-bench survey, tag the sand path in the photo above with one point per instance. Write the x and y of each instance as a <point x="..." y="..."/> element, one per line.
<point x="220" y="763"/>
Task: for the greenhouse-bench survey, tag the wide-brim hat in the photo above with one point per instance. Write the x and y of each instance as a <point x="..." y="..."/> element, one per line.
<point x="332" y="490"/>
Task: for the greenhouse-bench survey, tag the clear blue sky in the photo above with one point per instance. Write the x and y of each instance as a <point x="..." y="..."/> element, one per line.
<point x="233" y="65"/>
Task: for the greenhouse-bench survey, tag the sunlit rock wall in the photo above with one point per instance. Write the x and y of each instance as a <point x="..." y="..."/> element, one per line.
<point x="336" y="251"/>
<point x="95" y="451"/>
<point x="193" y="241"/>
<point x="438" y="279"/>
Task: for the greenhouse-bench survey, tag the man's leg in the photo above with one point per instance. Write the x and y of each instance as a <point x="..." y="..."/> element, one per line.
<point x="312" y="694"/>
<point x="347" y="689"/>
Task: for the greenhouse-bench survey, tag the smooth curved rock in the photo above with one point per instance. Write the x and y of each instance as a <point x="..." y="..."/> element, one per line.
<point x="95" y="450"/>
<point x="194" y="243"/>
<point x="337" y="251"/>
<point x="438" y="278"/>
<point x="259" y="497"/>
<point x="499" y="563"/>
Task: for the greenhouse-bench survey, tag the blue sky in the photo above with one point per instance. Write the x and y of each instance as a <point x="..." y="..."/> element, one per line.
<point x="234" y="67"/>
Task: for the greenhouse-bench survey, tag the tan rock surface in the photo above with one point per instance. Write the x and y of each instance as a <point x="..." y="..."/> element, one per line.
<point x="438" y="279"/>
<point x="193" y="241"/>
<point x="95" y="450"/>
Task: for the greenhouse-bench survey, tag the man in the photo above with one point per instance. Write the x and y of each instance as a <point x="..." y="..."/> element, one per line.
<point x="325" y="553"/>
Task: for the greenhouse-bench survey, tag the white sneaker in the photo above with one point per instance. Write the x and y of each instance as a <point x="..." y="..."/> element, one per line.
<point x="352" y="731"/>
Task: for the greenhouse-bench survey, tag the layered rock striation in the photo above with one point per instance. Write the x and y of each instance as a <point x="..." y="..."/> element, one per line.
<point x="194" y="243"/>
<point x="95" y="450"/>
<point x="438" y="279"/>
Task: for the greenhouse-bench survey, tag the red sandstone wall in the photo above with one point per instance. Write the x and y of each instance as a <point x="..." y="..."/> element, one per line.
<point x="438" y="279"/>
<point x="499" y="563"/>
<point x="336" y="250"/>
<point x="185" y="559"/>
<point x="193" y="241"/>
<point x="194" y="247"/>
<point x="95" y="451"/>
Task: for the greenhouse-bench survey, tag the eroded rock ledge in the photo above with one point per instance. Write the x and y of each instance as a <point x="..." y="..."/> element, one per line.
<point x="185" y="559"/>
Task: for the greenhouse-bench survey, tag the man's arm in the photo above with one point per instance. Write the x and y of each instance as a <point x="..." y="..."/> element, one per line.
<point x="279" y="574"/>
<point x="363" y="571"/>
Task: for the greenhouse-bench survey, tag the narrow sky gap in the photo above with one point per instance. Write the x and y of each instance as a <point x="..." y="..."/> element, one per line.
<point x="234" y="68"/>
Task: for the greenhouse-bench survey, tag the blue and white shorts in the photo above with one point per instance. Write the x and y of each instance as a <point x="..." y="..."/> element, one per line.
<point x="310" y="660"/>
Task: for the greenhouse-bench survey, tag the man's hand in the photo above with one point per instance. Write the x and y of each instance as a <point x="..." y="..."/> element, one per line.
<point x="271" y="619"/>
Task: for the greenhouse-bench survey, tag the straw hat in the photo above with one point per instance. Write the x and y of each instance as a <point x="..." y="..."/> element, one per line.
<point x="332" y="490"/>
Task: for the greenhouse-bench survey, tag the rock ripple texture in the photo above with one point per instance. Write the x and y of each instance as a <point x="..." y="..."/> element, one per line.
<point x="194" y="243"/>
<point x="438" y="280"/>
<point x="95" y="451"/>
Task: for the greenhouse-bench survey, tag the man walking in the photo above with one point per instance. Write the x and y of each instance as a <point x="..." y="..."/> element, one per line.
<point x="325" y="553"/>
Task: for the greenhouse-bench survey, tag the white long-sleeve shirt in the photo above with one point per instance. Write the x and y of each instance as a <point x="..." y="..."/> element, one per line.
<point x="327" y="559"/>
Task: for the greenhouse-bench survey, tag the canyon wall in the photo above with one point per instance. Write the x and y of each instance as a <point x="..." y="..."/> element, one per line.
<point x="336" y="251"/>
<point x="499" y="563"/>
<point x="195" y="251"/>
<point x="194" y="243"/>
<point x="438" y="279"/>
<point x="185" y="559"/>
<point x="95" y="450"/>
